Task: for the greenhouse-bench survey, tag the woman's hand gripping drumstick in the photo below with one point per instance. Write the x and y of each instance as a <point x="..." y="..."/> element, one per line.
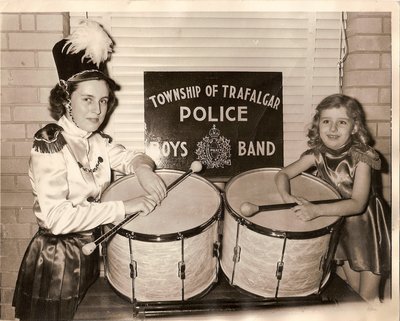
<point x="87" y="249"/>
<point x="249" y="209"/>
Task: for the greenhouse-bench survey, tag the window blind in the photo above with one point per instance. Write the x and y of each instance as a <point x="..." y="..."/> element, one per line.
<point x="304" y="46"/>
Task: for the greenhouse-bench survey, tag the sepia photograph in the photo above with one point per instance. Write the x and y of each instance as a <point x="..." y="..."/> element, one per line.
<point x="199" y="160"/>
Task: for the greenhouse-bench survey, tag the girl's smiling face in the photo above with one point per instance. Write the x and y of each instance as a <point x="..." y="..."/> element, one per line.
<point x="89" y="104"/>
<point x="335" y="127"/>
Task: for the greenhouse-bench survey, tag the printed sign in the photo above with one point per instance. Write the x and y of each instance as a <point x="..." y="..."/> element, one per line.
<point x="229" y="121"/>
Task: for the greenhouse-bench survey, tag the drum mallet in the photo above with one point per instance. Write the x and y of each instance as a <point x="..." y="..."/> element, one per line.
<point x="87" y="249"/>
<point x="249" y="209"/>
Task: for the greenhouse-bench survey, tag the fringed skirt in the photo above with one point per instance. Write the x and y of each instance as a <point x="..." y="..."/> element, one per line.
<point x="54" y="276"/>
<point x="365" y="240"/>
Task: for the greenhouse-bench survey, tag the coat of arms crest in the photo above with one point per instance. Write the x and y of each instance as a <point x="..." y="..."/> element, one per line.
<point x="214" y="150"/>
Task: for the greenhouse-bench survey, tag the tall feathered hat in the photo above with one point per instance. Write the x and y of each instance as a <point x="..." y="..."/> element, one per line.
<point x="83" y="54"/>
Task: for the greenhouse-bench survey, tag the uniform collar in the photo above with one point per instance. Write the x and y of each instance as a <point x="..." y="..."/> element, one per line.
<point x="337" y="152"/>
<point x="71" y="129"/>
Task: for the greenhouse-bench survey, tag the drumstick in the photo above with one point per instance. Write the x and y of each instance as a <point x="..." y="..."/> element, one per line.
<point x="249" y="209"/>
<point x="87" y="249"/>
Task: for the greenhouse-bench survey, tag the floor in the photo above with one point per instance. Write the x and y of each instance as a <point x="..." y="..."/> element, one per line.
<point x="222" y="303"/>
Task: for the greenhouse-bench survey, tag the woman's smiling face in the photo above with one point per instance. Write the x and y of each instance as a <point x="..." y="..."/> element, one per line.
<point x="89" y="104"/>
<point x="335" y="127"/>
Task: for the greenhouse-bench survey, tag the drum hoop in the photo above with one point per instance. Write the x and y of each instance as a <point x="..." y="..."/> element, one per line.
<point x="176" y="235"/>
<point x="279" y="233"/>
<point x="167" y="237"/>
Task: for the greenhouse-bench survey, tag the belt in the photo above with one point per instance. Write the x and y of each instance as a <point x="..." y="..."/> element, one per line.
<point x="43" y="230"/>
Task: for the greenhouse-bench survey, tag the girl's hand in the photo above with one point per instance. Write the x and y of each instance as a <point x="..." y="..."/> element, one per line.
<point x="305" y="210"/>
<point x="142" y="204"/>
<point x="151" y="183"/>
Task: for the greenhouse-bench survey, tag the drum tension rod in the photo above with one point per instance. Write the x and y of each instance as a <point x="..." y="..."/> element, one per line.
<point x="217" y="243"/>
<point x="132" y="263"/>
<point x="236" y="253"/>
<point x="217" y="255"/>
<point x="133" y="275"/>
<point x="182" y="265"/>
<point x="322" y="262"/>
<point x="237" y="248"/>
<point x="104" y="255"/>
<point x="279" y="266"/>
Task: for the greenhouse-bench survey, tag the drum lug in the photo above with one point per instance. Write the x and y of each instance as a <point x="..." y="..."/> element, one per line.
<point x="133" y="268"/>
<point x="216" y="249"/>
<point x="181" y="269"/>
<point x="236" y="253"/>
<point x="279" y="269"/>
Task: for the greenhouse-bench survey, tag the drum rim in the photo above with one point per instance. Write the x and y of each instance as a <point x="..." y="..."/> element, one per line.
<point x="275" y="232"/>
<point x="169" y="237"/>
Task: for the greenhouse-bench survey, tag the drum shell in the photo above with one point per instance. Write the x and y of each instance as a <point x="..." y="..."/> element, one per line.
<point x="157" y="266"/>
<point x="155" y="258"/>
<point x="259" y="248"/>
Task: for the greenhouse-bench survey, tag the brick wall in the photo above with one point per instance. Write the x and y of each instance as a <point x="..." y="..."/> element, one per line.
<point x="367" y="77"/>
<point x="27" y="75"/>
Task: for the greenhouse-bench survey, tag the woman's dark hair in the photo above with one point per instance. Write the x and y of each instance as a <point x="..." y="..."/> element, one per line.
<point x="60" y="95"/>
<point x="354" y="111"/>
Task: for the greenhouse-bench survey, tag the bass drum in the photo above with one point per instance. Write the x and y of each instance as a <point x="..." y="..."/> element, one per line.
<point x="167" y="255"/>
<point x="275" y="254"/>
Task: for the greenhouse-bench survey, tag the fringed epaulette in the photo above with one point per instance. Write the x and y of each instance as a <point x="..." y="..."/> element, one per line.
<point x="366" y="154"/>
<point x="108" y="137"/>
<point x="49" y="139"/>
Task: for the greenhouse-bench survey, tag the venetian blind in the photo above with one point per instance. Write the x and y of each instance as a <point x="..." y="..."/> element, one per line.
<point x="304" y="46"/>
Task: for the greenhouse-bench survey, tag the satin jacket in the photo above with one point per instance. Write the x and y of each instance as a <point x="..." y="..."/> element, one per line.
<point x="68" y="181"/>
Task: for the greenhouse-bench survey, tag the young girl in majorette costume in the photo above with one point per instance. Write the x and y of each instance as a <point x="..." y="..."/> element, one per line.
<point x="338" y="141"/>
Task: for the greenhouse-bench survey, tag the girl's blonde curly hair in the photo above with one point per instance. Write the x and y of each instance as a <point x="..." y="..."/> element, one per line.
<point x="354" y="111"/>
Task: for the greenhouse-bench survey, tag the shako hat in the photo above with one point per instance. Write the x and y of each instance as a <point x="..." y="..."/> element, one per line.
<point x="83" y="55"/>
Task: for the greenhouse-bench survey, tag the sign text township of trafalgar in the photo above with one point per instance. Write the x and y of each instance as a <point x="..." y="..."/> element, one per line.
<point x="230" y="121"/>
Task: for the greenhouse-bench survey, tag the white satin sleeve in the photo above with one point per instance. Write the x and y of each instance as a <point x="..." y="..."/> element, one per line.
<point x="54" y="209"/>
<point x="127" y="161"/>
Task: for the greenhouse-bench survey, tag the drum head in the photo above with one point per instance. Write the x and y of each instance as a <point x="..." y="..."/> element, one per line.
<point x="188" y="205"/>
<point x="258" y="187"/>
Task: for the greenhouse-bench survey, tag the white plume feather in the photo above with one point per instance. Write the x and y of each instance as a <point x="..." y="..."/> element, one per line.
<point x="91" y="38"/>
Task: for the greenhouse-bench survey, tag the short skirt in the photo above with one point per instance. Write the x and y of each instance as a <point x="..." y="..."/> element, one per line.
<point x="54" y="276"/>
<point x="365" y="240"/>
